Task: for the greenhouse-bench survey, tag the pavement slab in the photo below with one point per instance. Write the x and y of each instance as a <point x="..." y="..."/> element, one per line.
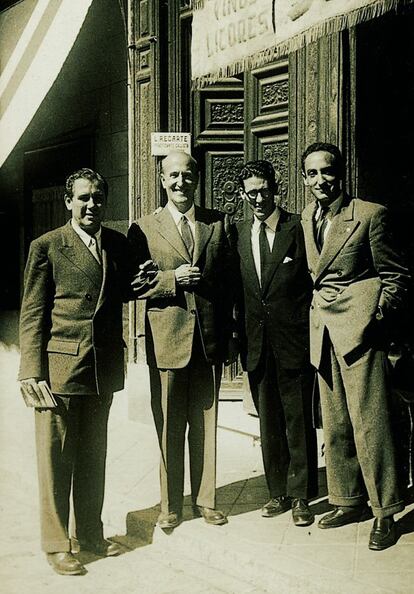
<point x="249" y="555"/>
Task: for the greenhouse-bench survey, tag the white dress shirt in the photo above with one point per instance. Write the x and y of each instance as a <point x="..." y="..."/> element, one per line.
<point x="88" y="240"/>
<point x="177" y="216"/>
<point x="271" y="225"/>
<point x="334" y="208"/>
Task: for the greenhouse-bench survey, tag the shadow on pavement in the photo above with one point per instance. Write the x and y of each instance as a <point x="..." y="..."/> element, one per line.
<point x="234" y="499"/>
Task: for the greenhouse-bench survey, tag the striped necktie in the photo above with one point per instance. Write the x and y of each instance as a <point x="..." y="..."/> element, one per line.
<point x="187" y="236"/>
<point x="94" y="249"/>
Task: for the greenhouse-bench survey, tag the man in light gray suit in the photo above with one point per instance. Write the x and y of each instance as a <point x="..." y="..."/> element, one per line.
<point x="181" y="259"/>
<point x="360" y="284"/>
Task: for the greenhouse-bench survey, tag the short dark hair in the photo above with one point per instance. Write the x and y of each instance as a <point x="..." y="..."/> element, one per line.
<point x="263" y="169"/>
<point x="84" y="173"/>
<point x="328" y="148"/>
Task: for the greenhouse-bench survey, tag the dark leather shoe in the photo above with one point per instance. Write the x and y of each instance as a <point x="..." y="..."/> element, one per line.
<point x="301" y="513"/>
<point x="212" y="516"/>
<point x="276" y="506"/>
<point x="343" y="515"/>
<point x="65" y="564"/>
<point x="168" y="520"/>
<point x="103" y="548"/>
<point x="383" y="534"/>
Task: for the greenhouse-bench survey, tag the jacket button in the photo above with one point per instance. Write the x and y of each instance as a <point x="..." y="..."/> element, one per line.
<point x="193" y="312"/>
<point x="339" y="273"/>
<point x="311" y="307"/>
<point x="88" y="297"/>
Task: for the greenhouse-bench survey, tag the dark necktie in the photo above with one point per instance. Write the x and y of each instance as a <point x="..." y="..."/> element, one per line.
<point x="187" y="236"/>
<point x="264" y="252"/>
<point x="320" y="227"/>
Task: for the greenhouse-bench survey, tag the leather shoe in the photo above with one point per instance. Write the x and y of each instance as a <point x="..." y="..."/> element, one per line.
<point x="212" y="516"/>
<point x="276" y="506"/>
<point x="168" y="520"/>
<point x="343" y="515"/>
<point x="65" y="564"/>
<point x="301" y="513"/>
<point x="103" y="548"/>
<point x="383" y="534"/>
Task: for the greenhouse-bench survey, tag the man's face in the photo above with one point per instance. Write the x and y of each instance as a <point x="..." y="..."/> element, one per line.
<point x="87" y="204"/>
<point x="179" y="178"/>
<point x="322" y="177"/>
<point x="259" y="197"/>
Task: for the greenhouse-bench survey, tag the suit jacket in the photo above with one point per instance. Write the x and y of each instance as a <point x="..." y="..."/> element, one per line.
<point x="71" y="315"/>
<point x="172" y="313"/>
<point x="281" y="306"/>
<point x="359" y="279"/>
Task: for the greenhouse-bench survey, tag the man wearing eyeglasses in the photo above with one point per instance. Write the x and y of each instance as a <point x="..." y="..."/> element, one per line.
<point x="274" y="310"/>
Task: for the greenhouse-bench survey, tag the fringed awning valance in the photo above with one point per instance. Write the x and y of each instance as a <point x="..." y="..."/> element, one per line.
<point x="230" y="36"/>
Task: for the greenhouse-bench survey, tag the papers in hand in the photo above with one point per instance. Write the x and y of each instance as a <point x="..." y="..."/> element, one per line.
<point x="48" y="397"/>
<point x="44" y="394"/>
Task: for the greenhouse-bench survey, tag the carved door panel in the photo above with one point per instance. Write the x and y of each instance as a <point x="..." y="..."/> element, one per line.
<point x="267" y="95"/>
<point x="146" y="110"/>
<point x="218" y="146"/>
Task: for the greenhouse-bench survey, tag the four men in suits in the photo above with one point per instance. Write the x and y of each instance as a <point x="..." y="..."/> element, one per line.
<point x="71" y="337"/>
<point x="360" y="283"/>
<point x="181" y="259"/>
<point x="275" y="298"/>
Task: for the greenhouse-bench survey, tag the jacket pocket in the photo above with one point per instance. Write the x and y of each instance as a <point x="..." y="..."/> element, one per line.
<point x="67" y="347"/>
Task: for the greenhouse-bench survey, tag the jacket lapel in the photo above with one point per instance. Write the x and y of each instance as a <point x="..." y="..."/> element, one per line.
<point x="246" y="252"/>
<point x="105" y="268"/>
<point x="79" y="255"/>
<point x="282" y="242"/>
<point x="342" y="227"/>
<point x="168" y="229"/>
<point x="203" y="232"/>
<point x="312" y="252"/>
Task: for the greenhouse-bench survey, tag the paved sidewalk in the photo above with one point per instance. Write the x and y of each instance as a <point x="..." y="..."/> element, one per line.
<point x="250" y="555"/>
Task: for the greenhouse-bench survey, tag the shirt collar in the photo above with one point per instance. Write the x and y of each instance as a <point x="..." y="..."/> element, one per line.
<point x="86" y="238"/>
<point x="177" y="215"/>
<point x="271" y="221"/>
<point x="334" y="206"/>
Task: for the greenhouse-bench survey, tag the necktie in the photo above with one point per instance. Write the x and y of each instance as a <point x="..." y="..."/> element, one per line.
<point x="264" y="252"/>
<point x="94" y="249"/>
<point x="187" y="236"/>
<point x="320" y="227"/>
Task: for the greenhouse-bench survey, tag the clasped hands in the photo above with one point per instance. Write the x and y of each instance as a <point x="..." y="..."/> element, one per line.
<point x="147" y="272"/>
<point x="187" y="275"/>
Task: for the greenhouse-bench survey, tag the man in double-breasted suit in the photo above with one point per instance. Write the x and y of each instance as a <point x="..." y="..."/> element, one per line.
<point x="360" y="283"/>
<point x="180" y="257"/>
<point x="71" y="337"/>
<point x="275" y="298"/>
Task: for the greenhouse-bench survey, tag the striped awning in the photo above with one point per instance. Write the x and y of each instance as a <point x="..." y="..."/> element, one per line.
<point x="230" y="36"/>
<point x="34" y="64"/>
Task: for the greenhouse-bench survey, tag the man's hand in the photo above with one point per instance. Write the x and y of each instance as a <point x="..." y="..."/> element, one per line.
<point x="31" y="392"/>
<point x="233" y="349"/>
<point x="147" y="272"/>
<point x="187" y="275"/>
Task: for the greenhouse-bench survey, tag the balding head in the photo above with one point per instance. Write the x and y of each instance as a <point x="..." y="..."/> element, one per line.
<point x="179" y="177"/>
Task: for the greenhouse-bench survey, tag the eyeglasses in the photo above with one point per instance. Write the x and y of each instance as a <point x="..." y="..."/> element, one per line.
<point x="264" y="193"/>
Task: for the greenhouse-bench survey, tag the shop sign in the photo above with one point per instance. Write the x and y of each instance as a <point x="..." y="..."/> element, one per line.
<point x="230" y="36"/>
<point x="163" y="143"/>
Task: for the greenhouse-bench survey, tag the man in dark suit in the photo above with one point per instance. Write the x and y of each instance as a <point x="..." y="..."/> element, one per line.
<point x="71" y="337"/>
<point x="360" y="283"/>
<point x="277" y="292"/>
<point x="181" y="258"/>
